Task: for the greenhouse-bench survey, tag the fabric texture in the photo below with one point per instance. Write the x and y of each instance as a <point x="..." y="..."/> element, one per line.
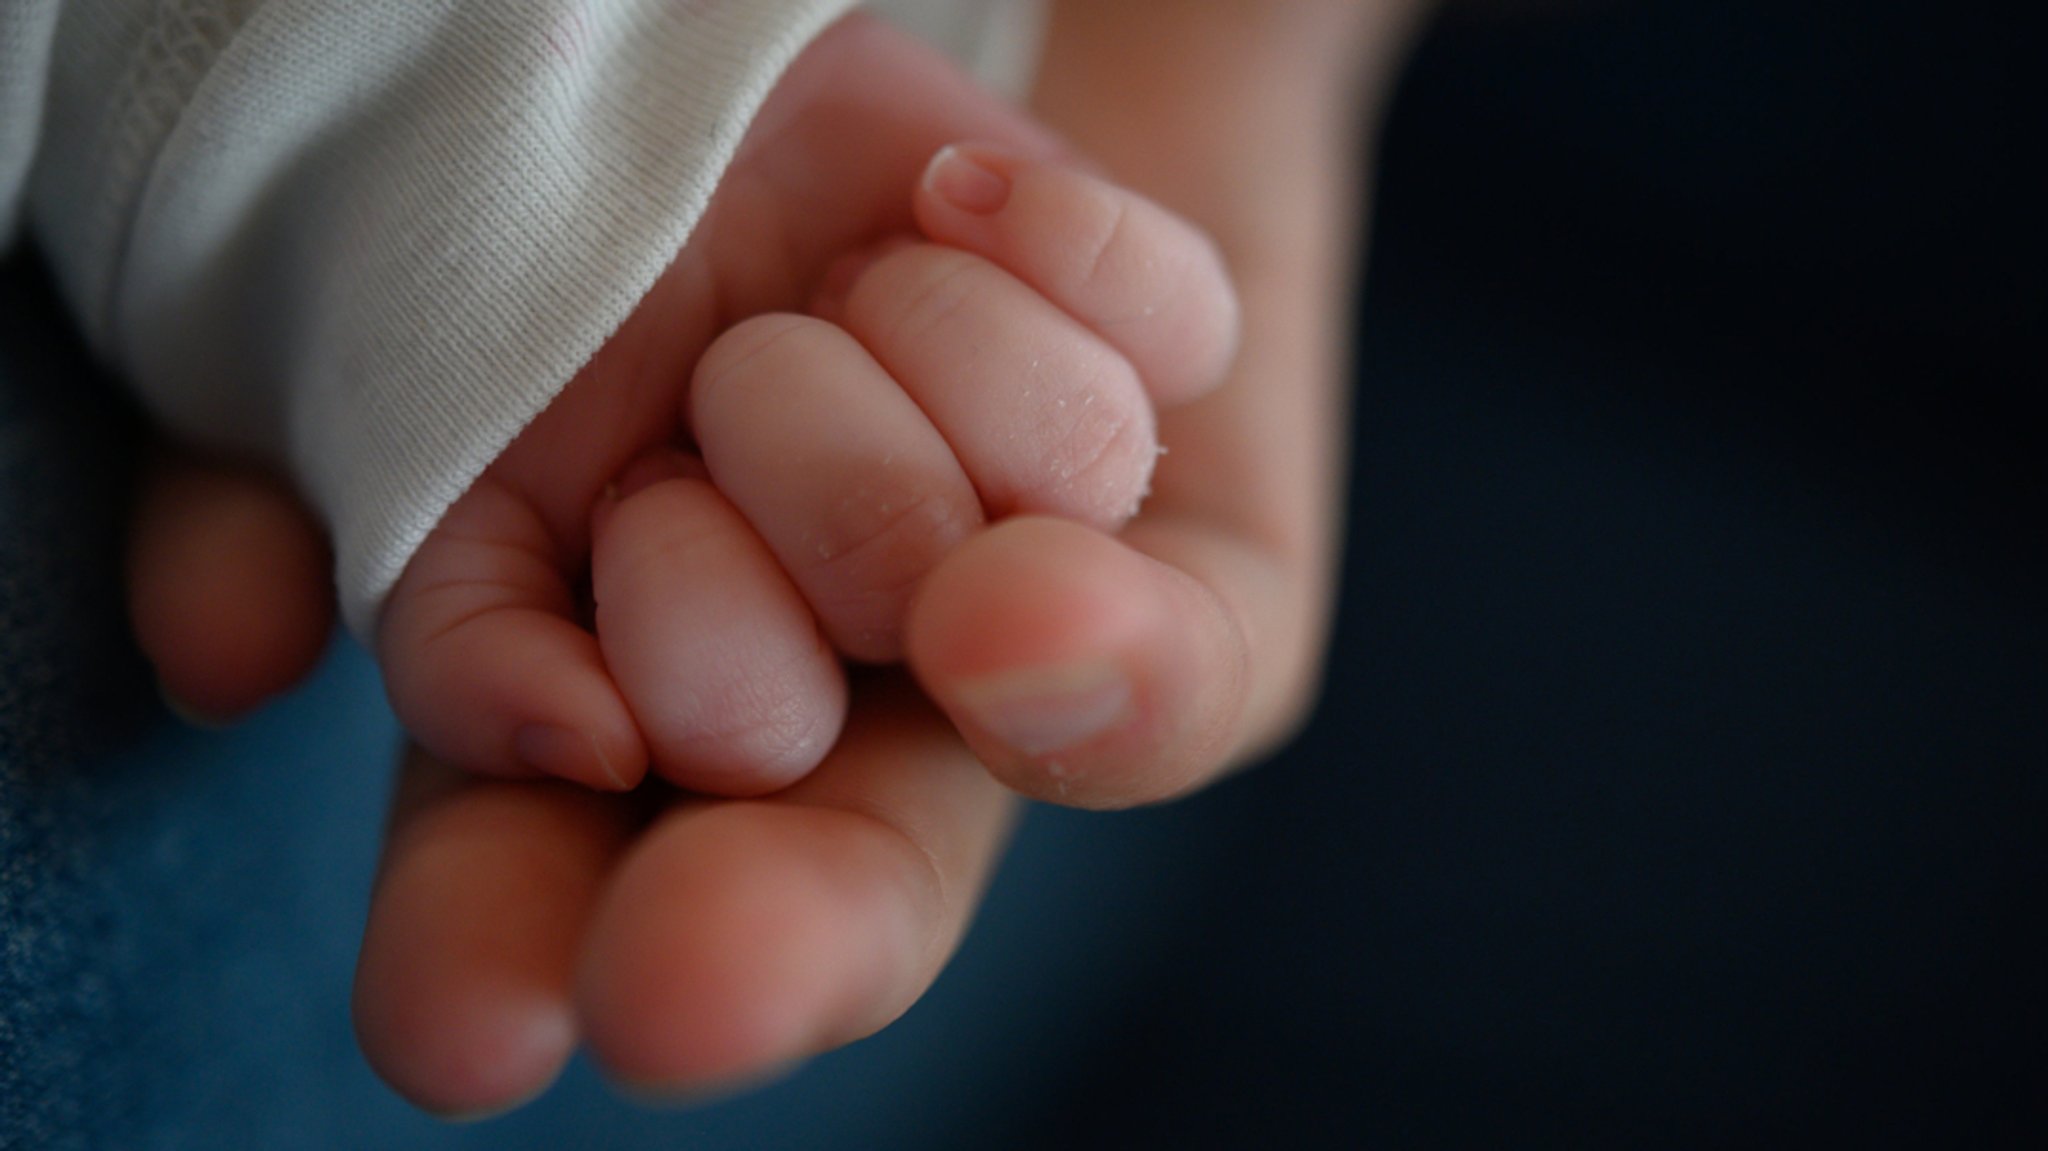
<point x="370" y="242"/>
<point x="239" y="195"/>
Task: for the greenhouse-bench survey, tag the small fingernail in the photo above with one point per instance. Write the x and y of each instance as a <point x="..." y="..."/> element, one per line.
<point x="1047" y="710"/>
<point x="964" y="180"/>
<point x="565" y="754"/>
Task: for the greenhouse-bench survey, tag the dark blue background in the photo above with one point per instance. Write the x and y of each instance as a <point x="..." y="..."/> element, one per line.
<point x="1683" y="776"/>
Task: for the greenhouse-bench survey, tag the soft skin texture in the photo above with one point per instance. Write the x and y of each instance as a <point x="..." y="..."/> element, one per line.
<point x="991" y="330"/>
<point x="1255" y="147"/>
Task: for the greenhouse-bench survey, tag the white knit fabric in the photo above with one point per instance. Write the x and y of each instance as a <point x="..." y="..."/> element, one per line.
<point x="371" y="240"/>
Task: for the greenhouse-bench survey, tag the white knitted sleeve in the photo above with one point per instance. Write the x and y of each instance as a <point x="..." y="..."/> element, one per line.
<point x="371" y="240"/>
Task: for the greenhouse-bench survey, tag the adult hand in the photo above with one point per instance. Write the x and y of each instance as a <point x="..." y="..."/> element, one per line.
<point x="693" y="943"/>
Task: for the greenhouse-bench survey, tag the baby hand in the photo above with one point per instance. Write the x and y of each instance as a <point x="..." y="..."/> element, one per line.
<point x="666" y="568"/>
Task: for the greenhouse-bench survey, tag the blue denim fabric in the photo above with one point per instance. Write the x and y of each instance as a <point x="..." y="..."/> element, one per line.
<point x="69" y="686"/>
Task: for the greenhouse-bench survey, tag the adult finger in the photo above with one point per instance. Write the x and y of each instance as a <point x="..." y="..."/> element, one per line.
<point x="462" y="986"/>
<point x="1236" y="545"/>
<point x="1080" y="669"/>
<point x="1111" y="671"/>
<point x="740" y="936"/>
<point x="228" y="584"/>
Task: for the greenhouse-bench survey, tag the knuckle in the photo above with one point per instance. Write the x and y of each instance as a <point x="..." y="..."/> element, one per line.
<point x="750" y="351"/>
<point x="656" y="535"/>
<point x="912" y="293"/>
<point x="1109" y="255"/>
<point x="871" y="551"/>
<point x="1154" y="284"/>
<point x="1132" y="262"/>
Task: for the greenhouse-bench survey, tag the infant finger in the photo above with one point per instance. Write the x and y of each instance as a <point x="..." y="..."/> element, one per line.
<point x="484" y="663"/>
<point x="1042" y="414"/>
<point x="847" y="481"/>
<point x="1148" y="282"/>
<point x="714" y="650"/>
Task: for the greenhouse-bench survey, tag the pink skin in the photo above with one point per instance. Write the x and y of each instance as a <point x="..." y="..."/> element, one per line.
<point x="225" y="636"/>
<point x="1210" y="606"/>
<point x="1000" y="328"/>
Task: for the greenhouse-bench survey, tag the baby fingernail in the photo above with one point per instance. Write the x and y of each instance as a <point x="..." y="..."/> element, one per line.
<point x="565" y="754"/>
<point x="1047" y="710"/>
<point x="966" y="181"/>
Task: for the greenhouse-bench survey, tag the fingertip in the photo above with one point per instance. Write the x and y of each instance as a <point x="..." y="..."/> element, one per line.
<point x="713" y="650"/>
<point x="229" y="589"/>
<point x="486" y="1058"/>
<point x="511" y="692"/>
<point x="486" y="662"/>
<point x="1081" y="671"/>
<point x="743" y="938"/>
<point x="462" y="997"/>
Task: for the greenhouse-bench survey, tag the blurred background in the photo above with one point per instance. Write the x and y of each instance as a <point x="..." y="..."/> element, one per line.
<point x="1682" y="777"/>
